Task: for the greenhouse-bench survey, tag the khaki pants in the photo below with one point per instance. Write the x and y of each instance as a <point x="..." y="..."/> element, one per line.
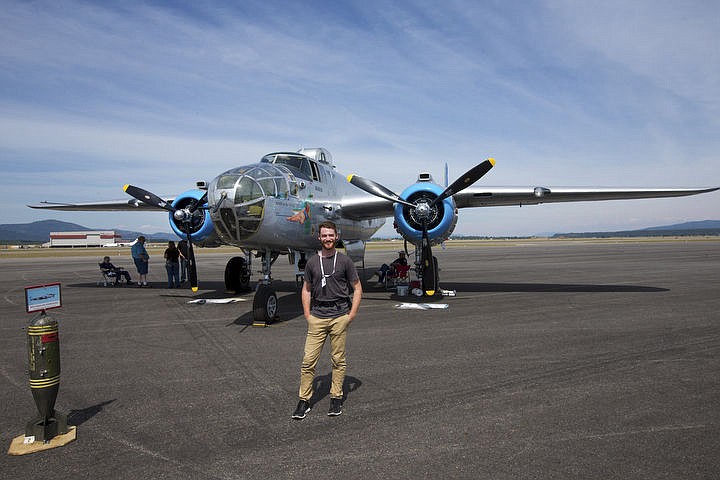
<point x="318" y="331"/>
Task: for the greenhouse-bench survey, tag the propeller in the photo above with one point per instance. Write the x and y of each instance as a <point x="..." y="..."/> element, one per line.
<point x="376" y="189"/>
<point x="148" y="197"/>
<point x="183" y="215"/>
<point x="470" y="177"/>
<point x="423" y="209"/>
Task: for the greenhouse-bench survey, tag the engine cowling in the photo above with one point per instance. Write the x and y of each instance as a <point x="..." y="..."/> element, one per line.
<point x="441" y="218"/>
<point x="202" y="231"/>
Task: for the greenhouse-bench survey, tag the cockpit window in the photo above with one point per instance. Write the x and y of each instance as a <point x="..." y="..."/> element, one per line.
<point x="315" y="171"/>
<point x="290" y="160"/>
<point x="299" y="164"/>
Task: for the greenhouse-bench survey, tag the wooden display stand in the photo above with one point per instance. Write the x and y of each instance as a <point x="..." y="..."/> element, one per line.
<point x="19" y="447"/>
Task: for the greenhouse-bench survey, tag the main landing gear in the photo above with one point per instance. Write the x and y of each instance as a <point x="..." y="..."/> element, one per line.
<point x="237" y="279"/>
<point x="237" y="275"/>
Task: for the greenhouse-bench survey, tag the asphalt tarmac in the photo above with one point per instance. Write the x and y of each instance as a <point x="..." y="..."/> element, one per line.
<point x="561" y="359"/>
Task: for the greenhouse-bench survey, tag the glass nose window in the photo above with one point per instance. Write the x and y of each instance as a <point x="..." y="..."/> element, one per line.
<point x="227" y="181"/>
<point x="239" y="196"/>
<point x="247" y="190"/>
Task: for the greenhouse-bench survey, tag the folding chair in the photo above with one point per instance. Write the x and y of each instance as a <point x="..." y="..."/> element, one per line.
<point x="108" y="277"/>
<point x="398" y="276"/>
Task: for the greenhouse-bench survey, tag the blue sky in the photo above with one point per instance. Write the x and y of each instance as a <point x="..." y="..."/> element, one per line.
<point x="560" y="93"/>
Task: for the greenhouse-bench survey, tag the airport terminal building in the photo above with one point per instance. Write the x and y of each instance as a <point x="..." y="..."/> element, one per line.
<point x="88" y="238"/>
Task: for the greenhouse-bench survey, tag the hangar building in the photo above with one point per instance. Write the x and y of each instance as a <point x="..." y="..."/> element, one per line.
<point x="88" y="238"/>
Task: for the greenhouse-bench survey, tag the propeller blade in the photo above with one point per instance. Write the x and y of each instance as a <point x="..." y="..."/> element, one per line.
<point x="376" y="189"/>
<point x="198" y="203"/>
<point x="148" y="197"/>
<point x="470" y="177"/>
<point x="428" y="265"/>
<point x="192" y="269"/>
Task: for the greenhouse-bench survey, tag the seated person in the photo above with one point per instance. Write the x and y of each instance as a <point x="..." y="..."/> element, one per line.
<point x="112" y="271"/>
<point x="385" y="268"/>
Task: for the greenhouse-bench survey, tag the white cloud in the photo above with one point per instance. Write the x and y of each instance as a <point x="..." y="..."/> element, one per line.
<point x="561" y="93"/>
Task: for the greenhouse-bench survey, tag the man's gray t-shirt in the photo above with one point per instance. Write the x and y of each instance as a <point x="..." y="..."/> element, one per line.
<point x="333" y="299"/>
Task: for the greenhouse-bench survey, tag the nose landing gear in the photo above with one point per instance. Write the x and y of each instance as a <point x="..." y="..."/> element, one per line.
<point x="265" y="306"/>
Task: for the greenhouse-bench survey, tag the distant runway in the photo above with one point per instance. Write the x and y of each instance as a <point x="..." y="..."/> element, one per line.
<point x="562" y="359"/>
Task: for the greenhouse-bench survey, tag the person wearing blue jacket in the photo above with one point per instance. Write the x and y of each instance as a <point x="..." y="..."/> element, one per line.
<point x="141" y="259"/>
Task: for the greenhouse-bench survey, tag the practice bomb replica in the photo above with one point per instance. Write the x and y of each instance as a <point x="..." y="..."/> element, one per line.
<point x="49" y="429"/>
<point x="44" y="369"/>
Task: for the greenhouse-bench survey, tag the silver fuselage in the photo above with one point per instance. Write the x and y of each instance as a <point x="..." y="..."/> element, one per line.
<point x="279" y="202"/>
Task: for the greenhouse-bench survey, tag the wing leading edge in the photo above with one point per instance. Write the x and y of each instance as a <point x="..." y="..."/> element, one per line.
<point x="504" y="196"/>
<point x="132" y="205"/>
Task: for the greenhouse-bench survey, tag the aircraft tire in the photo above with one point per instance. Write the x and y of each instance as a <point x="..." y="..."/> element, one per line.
<point x="265" y="305"/>
<point x="237" y="278"/>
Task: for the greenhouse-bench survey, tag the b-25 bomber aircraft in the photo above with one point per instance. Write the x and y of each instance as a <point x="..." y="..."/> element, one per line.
<point x="273" y="208"/>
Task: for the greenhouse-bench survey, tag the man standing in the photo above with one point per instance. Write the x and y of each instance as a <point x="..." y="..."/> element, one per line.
<point x="183" y="247"/>
<point x="329" y="311"/>
<point x="172" y="265"/>
<point x="141" y="259"/>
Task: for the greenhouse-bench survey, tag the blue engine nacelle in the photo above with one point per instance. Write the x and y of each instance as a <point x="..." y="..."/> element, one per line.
<point x="441" y="218"/>
<point x="202" y="230"/>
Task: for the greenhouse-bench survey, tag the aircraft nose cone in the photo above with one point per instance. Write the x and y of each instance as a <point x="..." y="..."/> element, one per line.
<point x="238" y="204"/>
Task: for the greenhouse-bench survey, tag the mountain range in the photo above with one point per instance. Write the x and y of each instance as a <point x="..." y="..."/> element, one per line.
<point x="701" y="227"/>
<point x="698" y="225"/>
<point x="39" y="232"/>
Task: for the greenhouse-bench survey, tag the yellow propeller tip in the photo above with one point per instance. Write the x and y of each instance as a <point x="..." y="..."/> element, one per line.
<point x="194" y="289"/>
<point x="126" y="187"/>
<point x="492" y="161"/>
<point x="350" y="177"/>
<point x="430" y="293"/>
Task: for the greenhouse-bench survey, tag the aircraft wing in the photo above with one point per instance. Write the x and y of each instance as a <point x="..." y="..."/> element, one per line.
<point x="500" y="196"/>
<point x="365" y="207"/>
<point x="132" y="205"/>
<point x="362" y="206"/>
